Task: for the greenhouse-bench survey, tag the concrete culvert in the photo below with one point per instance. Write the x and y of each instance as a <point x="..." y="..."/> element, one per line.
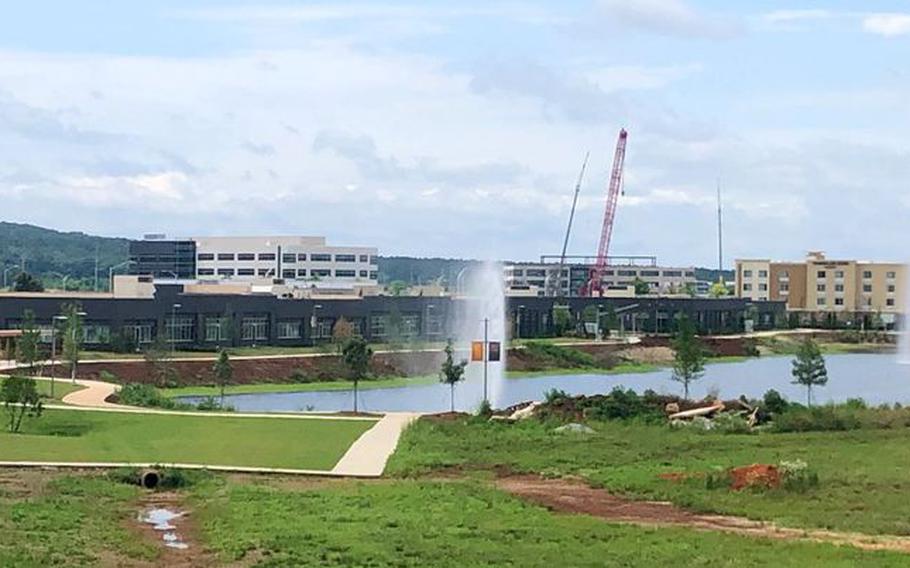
<point x="149" y="479"/>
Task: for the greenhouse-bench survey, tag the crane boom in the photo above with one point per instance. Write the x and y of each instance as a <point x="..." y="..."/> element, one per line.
<point x="603" y="249"/>
<point x="565" y="244"/>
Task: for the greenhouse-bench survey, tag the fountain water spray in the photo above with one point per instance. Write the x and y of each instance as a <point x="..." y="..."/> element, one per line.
<point x="482" y="305"/>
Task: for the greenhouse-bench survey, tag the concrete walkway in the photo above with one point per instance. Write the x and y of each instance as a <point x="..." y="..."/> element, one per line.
<point x="368" y="455"/>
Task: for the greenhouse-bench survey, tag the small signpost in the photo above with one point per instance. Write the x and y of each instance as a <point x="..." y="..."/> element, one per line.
<point x="486" y="351"/>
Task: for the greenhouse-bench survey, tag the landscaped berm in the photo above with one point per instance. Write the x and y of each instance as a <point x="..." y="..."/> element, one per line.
<point x="597" y="481"/>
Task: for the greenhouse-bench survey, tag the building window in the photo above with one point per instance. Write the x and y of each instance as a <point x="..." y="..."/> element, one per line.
<point x="94" y="334"/>
<point x="820" y="287"/>
<point x="628" y="273"/>
<point x="289" y="329"/>
<point x="410" y="325"/>
<point x="784" y="286"/>
<point x="225" y="256"/>
<point x="289" y="258"/>
<point x="289" y="273"/>
<point x="179" y="329"/>
<point x="762" y="273"/>
<point x="891" y="288"/>
<point x="364" y="273"/>
<point x="345" y="273"/>
<point x="762" y="287"/>
<point x="654" y="273"/>
<point x="319" y="257"/>
<point x="324" y="327"/>
<point x="206" y="272"/>
<point x="820" y="301"/>
<point x="434" y="324"/>
<point x="889" y="302"/>
<point x="255" y="328"/>
<point x="265" y="271"/>
<point x="867" y="301"/>
<point x="246" y="256"/>
<point x="301" y="273"/>
<point x="217" y="328"/>
<point x="747" y="287"/>
<point x="820" y="274"/>
<point x="373" y="275"/>
<point x="838" y="301"/>
<point x="267" y="256"/>
<point x="345" y="258"/>
<point x="838" y="287"/>
<point x="890" y="275"/>
<point x="378" y="325"/>
<point x="301" y="257"/>
<point x="321" y="272"/>
<point x="364" y="258"/>
<point x="838" y="273"/>
<point x="246" y="272"/>
<point x="140" y="333"/>
<point x="747" y="274"/>
<point x="867" y="288"/>
<point x="226" y="272"/>
<point x="867" y="274"/>
<point x="783" y="274"/>
<point x="205" y="256"/>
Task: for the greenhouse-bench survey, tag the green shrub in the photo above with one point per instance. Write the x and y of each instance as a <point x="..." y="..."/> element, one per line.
<point x="731" y="424"/>
<point x="554" y="355"/>
<point x="298" y="376"/>
<point x="750" y="348"/>
<point x="718" y="478"/>
<point x="108" y="377"/>
<point x="140" y="394"/>
<point x="623" y="405"/>
<point x="774" y="402"/>
<point x="170" y="478"/>
<point x="797" y="477"/>
<point x="555" y="395"/>
<point x="818" y="418"/>
<point x="855" y="403"/>
<point x="214" y="404"/>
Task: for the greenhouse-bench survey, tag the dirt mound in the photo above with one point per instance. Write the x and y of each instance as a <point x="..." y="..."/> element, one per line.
<point x="575" y="496"/>
<point x="756" y="475"/>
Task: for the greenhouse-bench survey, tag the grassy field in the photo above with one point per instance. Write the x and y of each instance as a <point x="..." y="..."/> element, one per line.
<point x="260" y="388"/>
<point x="62" y="388"/>
<point x="426" y="523"/>
<point x="64" y="435"/>
<point x="80" y="520"/>
<point x="860" y="471"/>
<point x="263" y="351"/>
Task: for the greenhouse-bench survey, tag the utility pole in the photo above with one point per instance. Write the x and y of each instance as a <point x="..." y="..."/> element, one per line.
<point x="720" y="237"/>
<point x="486" y="356"/>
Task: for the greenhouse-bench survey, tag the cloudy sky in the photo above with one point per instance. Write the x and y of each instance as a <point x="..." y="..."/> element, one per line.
<point x="458" y="128"/>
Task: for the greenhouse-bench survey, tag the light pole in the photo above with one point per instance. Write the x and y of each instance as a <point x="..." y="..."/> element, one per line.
<point x="73" y="339"/>
<point x="110" y="274"/>
<point x="63" y="278"/>
<point x="486" y="357"/>
<point x="54" y="321"/>
<point x="6" y="272"/>
<point x="314" y="321"/>
<point x="173" y="332"/>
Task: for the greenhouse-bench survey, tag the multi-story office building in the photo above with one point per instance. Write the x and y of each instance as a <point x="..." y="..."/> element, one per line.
<point x="296" y="260"/>
<point x="820" y="285"/>
<point x="571" y="278"/>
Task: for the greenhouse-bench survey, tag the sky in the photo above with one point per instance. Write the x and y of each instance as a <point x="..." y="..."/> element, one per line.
<point x="457" y="129"/>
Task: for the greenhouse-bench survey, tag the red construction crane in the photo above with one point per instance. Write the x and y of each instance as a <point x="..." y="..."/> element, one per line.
<point x="594" y="286"/>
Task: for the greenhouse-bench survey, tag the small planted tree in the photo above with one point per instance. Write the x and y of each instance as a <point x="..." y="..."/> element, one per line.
<point x="20" y="398"/>
<point x="688" y="355"/>
<point x="356" y="355"/>
<point x="25" y="282"/>
<point x="27" y="347"/>
<point x="809" y="368"/>
<point x="341" y="332"/>
<point x="223" y="371"/>
<point x="451" y="372"/>
<point x="72" y="337"/>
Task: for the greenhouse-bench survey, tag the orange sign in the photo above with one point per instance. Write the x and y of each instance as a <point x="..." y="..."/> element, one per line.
<point x="477" y="351"/>
<point x="493" y="353"/>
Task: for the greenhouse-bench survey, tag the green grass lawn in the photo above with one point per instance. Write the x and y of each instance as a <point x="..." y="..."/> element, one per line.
<point x="264" y="350"/>
<point x="69" y="435"/>
<point x="258" y="388"/>
<point x="62" y="387"/>
<point x="861" y="472"/>
<point x="458" y="523"/>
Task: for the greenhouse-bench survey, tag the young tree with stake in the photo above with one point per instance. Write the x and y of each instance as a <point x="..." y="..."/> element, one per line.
<point x="72" y="337"/>
<point x="809" y="368"/>
<point x="223" y="371"/>
<point x="688" y="355"/>
<point x="451" y="372"/>
<point x="356" y="354"/>
<point x="27" y="347"/>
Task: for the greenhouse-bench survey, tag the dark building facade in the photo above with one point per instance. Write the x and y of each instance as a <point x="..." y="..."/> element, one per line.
<point x="196" y="321"/>
<point x="163" y="258"/>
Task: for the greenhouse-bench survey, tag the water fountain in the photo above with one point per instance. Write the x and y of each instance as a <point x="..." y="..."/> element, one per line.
<point x="482" y="316"/>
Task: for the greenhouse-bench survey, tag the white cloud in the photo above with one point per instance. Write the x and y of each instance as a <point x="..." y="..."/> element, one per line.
<point x="668" y="17"/>
<point x="887" y="25"/>
<point x="639" y="77"/>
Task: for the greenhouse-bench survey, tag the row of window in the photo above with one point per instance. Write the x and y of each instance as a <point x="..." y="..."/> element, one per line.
<point x="785" y="287"/>
<point x="643" y="273"/>
<point x="867" y="274"/>
<point x="822" y="301"/>
<point x="287" y="258"/>
<point x="289" y="273"/>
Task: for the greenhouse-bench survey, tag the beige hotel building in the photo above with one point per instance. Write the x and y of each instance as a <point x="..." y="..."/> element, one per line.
<point x="820" y="286"/>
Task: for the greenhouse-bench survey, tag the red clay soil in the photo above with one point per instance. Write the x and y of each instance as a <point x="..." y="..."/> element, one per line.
<point x="755" y="475"/>
<point x="576" y="497"/>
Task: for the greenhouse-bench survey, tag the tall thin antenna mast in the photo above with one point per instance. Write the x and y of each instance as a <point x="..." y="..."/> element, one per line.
<point x="720" y="237"/>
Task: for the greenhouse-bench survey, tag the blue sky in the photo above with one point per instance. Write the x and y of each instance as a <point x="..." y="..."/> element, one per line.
<point x="457" y="129"/>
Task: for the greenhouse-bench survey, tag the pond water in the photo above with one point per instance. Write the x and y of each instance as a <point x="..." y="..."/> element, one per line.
<point x="876" y="378"/>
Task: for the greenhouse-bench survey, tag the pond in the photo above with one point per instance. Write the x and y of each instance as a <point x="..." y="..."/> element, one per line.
<point x="876" y="378"/>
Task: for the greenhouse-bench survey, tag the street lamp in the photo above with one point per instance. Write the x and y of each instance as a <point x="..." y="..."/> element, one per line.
<point x="110" y="274"/>
<point x="173" y="333"/>
<point x="63" y="277"/>
<point x="54" y="321"/>
<point x="5" y="272"/>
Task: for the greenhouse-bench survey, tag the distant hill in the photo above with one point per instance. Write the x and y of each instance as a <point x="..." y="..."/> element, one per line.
<point x="45" y="252"/>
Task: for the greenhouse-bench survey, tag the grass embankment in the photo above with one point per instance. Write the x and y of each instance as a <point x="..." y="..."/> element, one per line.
<point x="86" y="436"/>
<point x="861" y="471"/>
<point x="264" y="351"/>
<point x="61" y="389"/>
<point x="264" y="388"/>
<point x="52" y="519"/>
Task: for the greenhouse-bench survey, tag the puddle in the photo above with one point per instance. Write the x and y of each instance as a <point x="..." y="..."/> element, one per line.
<point x="160" y="519"/>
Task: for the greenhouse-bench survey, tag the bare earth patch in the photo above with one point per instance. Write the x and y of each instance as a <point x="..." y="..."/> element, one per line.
<point x="575" y="496"/>
<point x="191" y="557"/>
